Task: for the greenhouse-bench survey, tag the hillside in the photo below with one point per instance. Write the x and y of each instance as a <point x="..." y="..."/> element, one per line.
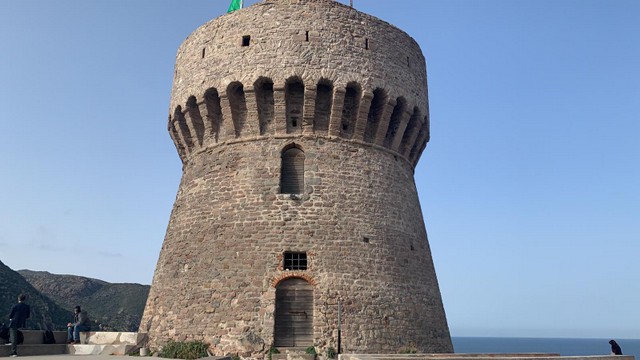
<point x="45" y="313"/>
<point x="114" y="307"/>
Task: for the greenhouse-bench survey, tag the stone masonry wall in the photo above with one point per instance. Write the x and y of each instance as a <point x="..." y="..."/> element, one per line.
<point x="361" y="226"/>
<point x="348" y="90"/>
<point x="343" y="45"/>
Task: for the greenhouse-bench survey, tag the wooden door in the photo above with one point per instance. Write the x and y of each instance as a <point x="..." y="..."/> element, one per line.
<point x="294" y="314"/>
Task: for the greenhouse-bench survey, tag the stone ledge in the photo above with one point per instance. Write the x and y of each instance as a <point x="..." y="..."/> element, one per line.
<point x="111" y="338"/>
<point x="536" y="356"/>
<point x="34" y="349"/>
<point x="36" y="337"/>
<point x="120" y="349"/>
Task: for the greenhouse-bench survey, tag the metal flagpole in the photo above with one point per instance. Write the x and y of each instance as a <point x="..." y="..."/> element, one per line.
<point x="339" y="328"/>
<point x="351" y="3"/>
<point x="241" y="4"/>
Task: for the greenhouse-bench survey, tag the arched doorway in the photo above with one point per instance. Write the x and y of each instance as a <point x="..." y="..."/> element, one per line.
<point x="294" y="314"/>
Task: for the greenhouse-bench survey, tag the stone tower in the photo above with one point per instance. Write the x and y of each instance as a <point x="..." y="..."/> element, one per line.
<point x="298" y="123"/>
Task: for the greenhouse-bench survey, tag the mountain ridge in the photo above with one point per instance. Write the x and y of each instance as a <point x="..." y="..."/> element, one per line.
<point x="111" y="306"/>
<point x="45" y="313"/>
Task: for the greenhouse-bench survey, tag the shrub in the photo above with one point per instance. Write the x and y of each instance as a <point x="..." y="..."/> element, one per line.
<point x="184" y="350"/>
<point x="409" y="350"/>
<point x="331" y="353"/>
<point x="273" y="351"/>
<point x="310" y="350"/>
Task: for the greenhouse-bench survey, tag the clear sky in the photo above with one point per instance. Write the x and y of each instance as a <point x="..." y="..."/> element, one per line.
<point x="530" y="186"/>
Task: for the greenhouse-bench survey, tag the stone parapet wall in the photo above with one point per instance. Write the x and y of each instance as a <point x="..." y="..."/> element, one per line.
<point x="501" y="356"/>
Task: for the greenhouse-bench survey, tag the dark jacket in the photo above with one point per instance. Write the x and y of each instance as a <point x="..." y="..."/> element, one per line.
<point x="18" y="316"/>
<point x="81" y="318"/>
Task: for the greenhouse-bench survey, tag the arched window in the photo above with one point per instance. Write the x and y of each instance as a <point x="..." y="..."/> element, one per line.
<point x="292" y="171"/>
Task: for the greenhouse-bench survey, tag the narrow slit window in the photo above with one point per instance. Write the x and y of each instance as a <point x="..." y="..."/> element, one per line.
<point x="366" y="44"/>
<point x="203" y="49"/>
<point x="246" y="40"/>
<point x="307" y="36"/>
<point x="295" y="260"/>
<point x="292" y="171"/>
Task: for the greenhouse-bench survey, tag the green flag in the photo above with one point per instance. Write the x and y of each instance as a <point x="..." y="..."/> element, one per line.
<point x="235" y="5"/>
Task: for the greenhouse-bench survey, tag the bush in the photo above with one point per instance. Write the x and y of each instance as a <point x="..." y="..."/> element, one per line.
<point x="331" y="353"/>
<point x="311" y="350"/>
<point x="409" y="350"/>
<point x="184" y="350"/>
<point x="273" y="351"/>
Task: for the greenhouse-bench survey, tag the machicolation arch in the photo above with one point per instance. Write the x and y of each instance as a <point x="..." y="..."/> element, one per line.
<point x="320" y="109"/>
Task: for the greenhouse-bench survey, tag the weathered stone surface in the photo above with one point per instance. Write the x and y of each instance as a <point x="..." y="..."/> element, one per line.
<point x="347" y="89"/>
<point x="111" y="338"/>
<point x="515" y="356"/>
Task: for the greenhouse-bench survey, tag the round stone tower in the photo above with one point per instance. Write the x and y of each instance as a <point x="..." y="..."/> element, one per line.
<point x="297" y="221"/>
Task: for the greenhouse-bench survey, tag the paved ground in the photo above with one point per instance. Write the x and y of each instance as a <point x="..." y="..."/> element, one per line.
<point x="101" y="357"/>
<point x="73" y="357"/>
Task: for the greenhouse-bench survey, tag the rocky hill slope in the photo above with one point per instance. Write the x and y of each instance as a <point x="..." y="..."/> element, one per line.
<point x="45" y="313"/>
<point x="113" y="307"/>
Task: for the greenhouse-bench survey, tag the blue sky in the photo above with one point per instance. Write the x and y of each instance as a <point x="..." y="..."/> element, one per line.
<point x="530" y="186"/>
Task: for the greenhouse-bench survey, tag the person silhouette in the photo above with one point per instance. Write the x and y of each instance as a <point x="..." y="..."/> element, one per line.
<point x="615" y="348"/>
<point x="20" y="312"/>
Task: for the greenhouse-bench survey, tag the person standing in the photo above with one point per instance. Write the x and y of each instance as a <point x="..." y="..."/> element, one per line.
<point x="80" y="322"/>
<point x="615" y="348"/>
<point x="18" y="316"/>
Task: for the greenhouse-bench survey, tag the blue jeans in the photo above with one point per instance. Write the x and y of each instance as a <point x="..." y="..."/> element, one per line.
<point x="73" y="332"/>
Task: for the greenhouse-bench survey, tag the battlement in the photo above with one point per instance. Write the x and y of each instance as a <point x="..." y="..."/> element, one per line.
<point x="291" y="68"/>
<point x="248" y="112"/>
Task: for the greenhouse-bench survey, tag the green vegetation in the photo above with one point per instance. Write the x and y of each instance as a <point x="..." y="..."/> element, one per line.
<point x="184" y="350"/>
<point x="331" y="353"/>
<point x="311" y="350"/>
<point x="408" y="350"/>
<point x="273" y="351"/>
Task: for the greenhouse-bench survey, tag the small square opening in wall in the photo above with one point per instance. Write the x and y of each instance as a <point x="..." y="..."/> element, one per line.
<point x="295" y="260"/>
<point x="246" y="40"/>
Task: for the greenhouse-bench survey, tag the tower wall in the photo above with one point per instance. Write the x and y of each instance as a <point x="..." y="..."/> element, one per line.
<point x="348" y="90"/>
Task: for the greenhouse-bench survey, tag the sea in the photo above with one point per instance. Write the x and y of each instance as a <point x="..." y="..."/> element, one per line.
<point x="564" y="347"/>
